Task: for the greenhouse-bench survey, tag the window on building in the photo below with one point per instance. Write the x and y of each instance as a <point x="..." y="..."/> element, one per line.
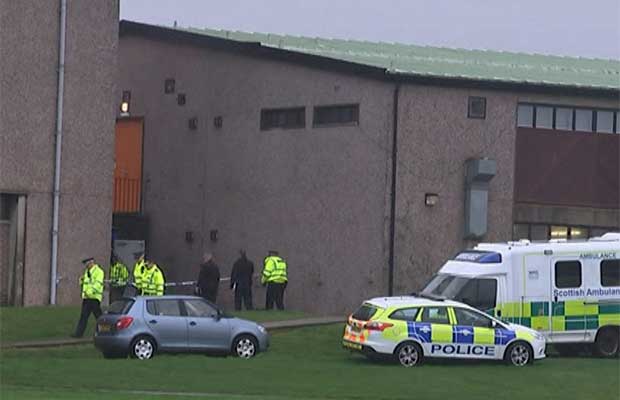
<point x="605" y="121"/>
<point x="577" y="232"/>
<point x="539" y="232"/>
<point x="525" y="116"/>
<point x="477" y="107"/>
<point x="583" y="120"/>
<point x="544" y="117"/>
<point x="564" y="118"/>
<point x="610" y="273"/>
<point x="283" y="118"/>
<point x="567" y="274"/>
<point x="336" y="115"/>
<point x="558" y="232"/>
<point x="435" y="315"/>
<point x="520" y="231"/>
<point x="405" y="314"/>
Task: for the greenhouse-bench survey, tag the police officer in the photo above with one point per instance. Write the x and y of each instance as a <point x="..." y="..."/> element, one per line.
<point x="152" y="280"/>
<point x="139" y="269"/>
<point x="275" y="277"/>
<point x="241" y="281"/>
<point x="91" y="284"/>
<point x="119" y="276"/>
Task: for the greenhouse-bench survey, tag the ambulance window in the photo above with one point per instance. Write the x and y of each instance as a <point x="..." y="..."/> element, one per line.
<point x="610" y="273"/>
<point x="472" y="318"/>
<point x="479" y="293"/>
<point x="405" y="314"/>
<point x="567" y="274"/>
<point x="435" y="315"/>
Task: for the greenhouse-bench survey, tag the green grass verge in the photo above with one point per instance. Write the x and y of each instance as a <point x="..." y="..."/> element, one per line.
<point x="40" y="323"/>
<point x="306" y="363"/>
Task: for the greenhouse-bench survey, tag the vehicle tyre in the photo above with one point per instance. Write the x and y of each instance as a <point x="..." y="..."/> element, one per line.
<point x="607" y="343"/>
<point x="519" y="354"/>
<point x="409" y="354"/>
<point x="245" y="346"/>
<point x="143" y="348"/>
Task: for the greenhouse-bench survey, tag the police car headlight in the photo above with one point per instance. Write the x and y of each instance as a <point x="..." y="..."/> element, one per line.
<point x="262" y="329"/>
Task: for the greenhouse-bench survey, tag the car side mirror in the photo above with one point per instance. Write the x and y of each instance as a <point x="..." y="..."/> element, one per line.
<point x="218" y="315"/>
<point x="493" y="324"/>
<point x="498" y="313"/>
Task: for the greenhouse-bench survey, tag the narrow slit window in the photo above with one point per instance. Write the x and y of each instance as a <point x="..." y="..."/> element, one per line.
<point x="336" y="115"/>
<point x="283" y="118"/>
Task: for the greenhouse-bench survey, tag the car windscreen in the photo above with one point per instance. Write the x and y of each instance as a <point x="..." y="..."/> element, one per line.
<point x="365" y="312"/>
<point x="120" y="306"/>
<point x="477" y="292"/>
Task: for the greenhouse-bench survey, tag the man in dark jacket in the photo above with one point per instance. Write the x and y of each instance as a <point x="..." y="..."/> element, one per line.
<point x="209" y="278"/>
<point x="241" y="281"/>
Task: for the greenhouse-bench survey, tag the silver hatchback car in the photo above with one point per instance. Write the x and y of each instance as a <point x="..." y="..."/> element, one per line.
<point x="141" y="326"/>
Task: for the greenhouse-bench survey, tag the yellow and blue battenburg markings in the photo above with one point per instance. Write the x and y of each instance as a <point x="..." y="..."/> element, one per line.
<point x="426" y="332"/>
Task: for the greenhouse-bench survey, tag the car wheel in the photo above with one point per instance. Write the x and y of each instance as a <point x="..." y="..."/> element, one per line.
<point x="607" y="342"/>
<point x="245" y="346"/>
<point x="143" y="348"/>
<point x="519" y="354"/>
<point x="409" y="354"/>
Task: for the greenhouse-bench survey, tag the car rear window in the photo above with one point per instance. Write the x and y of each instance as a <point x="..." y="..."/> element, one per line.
<point x="120" y="306"/>
<point x="365" y="312"/>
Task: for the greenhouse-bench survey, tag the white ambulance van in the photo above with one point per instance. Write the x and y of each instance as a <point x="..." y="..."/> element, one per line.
<point x="567" y="290"/>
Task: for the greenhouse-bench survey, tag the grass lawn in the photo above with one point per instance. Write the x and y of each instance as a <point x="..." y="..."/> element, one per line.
<point x="55" y="322"/>
<point x="303" y="363"/>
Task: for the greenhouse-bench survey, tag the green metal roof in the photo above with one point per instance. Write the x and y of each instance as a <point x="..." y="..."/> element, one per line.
<point x="440" y="62"/>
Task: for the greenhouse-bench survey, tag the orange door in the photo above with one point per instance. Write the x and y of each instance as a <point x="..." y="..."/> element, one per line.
<point x="128" y="165"/>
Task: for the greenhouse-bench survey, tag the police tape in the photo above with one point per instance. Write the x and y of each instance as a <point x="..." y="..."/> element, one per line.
<point x="171" y="284"/>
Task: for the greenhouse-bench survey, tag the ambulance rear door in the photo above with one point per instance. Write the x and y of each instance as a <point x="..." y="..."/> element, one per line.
<point x="568" y="299"/>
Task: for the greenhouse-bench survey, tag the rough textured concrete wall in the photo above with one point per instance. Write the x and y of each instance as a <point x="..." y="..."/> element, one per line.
<point x="28" y="78"/>
<point x="316" y="195"/>
<point x="435" y="139"/>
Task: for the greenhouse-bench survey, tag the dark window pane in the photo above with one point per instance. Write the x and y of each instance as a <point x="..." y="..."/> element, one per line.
<point x="579" y="233"/>
<point x="583" y="120"/>
<point x="472" y="318"/>
<point x="168" y="308"/>
<point x="477" y="107"/>
<point x="151" y="308"/>
<point x="365" y="312"/>
<point x="525" y="116"/>
<point x="610" y="273"/>
<point x="120" y="306"/>
<point x="567" y="274"/>
<point x="405" y="314"/>
<point x="544" y="117"/>
<point x="564" y="118"/>
<point x="336" y="115"/>
<point x="435" y="315"/>
<point x="520" y="231"/>
<point x="605" y="121"/>
<point x="539" y="232"/>
<point x="284" y="118"/>
<point x="200" y="309"/>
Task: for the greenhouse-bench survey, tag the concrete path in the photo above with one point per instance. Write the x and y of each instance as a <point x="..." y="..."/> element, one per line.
<point x="271" y="326"/>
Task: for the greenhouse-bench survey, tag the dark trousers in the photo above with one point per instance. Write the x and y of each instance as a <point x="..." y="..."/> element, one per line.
<point x="88" y="306"/>
<point x="275" y="293"/>
<point x="243" y="295"/>
<point x="210" y="294"/>
<point x="116" y="293"/>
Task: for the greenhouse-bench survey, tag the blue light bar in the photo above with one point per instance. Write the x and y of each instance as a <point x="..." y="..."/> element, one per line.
<point x="480" y="257"/>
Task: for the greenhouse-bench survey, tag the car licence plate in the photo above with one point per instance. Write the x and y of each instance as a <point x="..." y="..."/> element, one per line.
<point x="350" y="345"/>
<point x="104" y="328"/>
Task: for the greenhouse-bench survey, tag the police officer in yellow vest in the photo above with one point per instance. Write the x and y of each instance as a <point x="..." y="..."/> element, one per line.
<point x="139" y="269"/>
<point x="119" y="276"/>
<point x="91" y="284"/>
<point x="275" y="277"/>
<point x="153" y="280"/>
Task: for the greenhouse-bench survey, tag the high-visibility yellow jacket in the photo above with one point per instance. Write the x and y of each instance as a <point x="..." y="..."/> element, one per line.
<point x="91" y="283"/>
<point x="274" y="270"/>
<point x="138" y="270"/>
<point x="119" y="275"/>
<point x="153" y="282"/>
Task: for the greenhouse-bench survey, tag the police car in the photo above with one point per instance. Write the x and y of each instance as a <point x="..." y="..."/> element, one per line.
<point x="413" y="328"/>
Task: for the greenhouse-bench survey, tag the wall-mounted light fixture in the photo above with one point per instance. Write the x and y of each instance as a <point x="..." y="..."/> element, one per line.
<point x="193" y="123"/>
<point x="125" y="100"/>
<point x="169" y="86"/>
<point x="431" y="199"/>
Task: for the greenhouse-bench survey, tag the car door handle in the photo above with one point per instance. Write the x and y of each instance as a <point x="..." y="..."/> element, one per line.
<point x="192" y="323"/>
<point x="153" y="321"/>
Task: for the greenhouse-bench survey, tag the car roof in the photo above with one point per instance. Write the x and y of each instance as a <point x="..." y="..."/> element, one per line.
<point x="411" y="301"/>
